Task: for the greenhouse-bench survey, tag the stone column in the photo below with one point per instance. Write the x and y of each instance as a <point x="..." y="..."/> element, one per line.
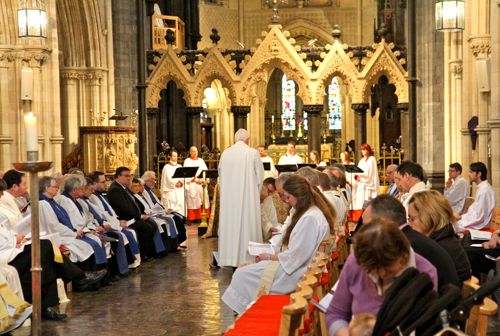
<point x="405" y="128"/>
<point x="314" y="126"/>
<point x="240" y="116"/>
<point x="494" y="119"/>
<point x="194" y="127"/>
<point x="360" y="126"/>
<point x="69" y="110"/>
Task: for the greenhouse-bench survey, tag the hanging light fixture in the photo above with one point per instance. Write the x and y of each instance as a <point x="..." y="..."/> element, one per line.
<point x="32" y="19"/>
<point x="450" y="15"/>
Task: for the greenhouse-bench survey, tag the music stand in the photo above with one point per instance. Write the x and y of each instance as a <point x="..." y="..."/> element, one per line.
<point x="209" y="173"/>
<point x="289" y="168"/>
<point x="267" y="166"/>
<point x="353" y="169"/>
<point x="312" y="165"/>
<point x="184" y="173"/>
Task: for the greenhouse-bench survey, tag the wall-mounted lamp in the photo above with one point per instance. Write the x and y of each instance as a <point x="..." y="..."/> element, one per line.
<point x="32" y="19"/>
<point x="450" y="15"/>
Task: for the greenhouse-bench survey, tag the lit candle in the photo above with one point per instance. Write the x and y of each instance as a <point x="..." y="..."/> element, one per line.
<point x="272" y="119"/>
<point x="204" y="174"/>
<point x="31" y="132"/>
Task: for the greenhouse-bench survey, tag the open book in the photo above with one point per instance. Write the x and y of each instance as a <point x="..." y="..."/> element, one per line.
<point x="254" y="248"/>
<point x="479" y="235"/>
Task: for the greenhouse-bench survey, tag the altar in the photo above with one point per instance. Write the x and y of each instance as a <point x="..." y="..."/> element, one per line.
<point x="327" y="154"/>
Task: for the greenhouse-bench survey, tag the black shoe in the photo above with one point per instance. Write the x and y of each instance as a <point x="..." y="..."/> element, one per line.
<point x="51" y="314"/>
<point x="91" y="278"/>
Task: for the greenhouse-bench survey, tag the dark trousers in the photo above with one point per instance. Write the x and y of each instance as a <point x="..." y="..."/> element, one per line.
<point x="181" y="229"/>
<point x="22" y="263"/>
<point x="145" y="232"/>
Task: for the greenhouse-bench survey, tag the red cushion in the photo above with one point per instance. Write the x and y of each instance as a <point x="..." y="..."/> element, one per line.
<point x="325" y="279"/>
<point x="262" y="318"/>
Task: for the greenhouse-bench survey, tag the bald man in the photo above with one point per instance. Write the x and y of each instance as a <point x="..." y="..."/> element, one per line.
<point x="241" y="174"/>
<point x="392" y="190"/>
<point x="194" y="191"/>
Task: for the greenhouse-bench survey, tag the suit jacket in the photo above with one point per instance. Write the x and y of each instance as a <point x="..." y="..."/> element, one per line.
<point x="123" y="202"/>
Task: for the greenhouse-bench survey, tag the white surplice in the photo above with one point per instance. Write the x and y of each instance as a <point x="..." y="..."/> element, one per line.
<point x="457" y="193"/>
<point x="194" y="190"/>
<point x="269" y="218"/>
<point x="479" y="214"/>
<point x="172" y="197"/>
<point x="273" y="172"/>
<point x="311" y="229"/>
<point x="368" y="182"/>
<point x="290" y="159"/>
<point x="241" y="174"/>
<point x="80" y="250"/>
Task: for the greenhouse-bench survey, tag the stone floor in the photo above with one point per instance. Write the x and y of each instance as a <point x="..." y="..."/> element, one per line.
<point x="176" y="295"/>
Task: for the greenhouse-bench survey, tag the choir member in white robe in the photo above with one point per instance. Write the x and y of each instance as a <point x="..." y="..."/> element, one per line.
<point x="49" y="223"/>
<point x="194" y="190"/>
<point x="308" y="228"/>
<point x="291" y="156"/>
<point x="241" y="174"/>
<point x="172" y="190"/>
<point x="368" y="181"/>
<point x="273" y="172"/>
<point x="457" y="189"/>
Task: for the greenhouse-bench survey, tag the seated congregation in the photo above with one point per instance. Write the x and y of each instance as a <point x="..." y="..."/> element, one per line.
<point x="90" y="235"/>
<point x="411" y="255"/>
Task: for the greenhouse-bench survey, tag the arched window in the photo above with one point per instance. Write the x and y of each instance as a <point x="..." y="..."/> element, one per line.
<point x="334" y="105"/>
<point x="288" y="103"/>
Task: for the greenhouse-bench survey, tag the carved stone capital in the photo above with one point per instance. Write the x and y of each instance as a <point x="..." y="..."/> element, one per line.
<point x="360" y="107"/>
<point x="313" y="109"/>
<point x="480" y="45"/>
<point x="194" y="111"/>
<point x="35" y="57"/>
<point x="240" y="110"/>
<point x="6" y="57"/>
<point x="402" y="107"/>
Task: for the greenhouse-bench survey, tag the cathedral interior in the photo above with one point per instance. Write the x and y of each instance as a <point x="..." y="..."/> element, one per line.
<point x="120" y="83"/>
<point x="116" y="83"/>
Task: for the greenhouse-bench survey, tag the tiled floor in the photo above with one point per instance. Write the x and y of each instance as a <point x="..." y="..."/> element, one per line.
<point x="176" y="295"/>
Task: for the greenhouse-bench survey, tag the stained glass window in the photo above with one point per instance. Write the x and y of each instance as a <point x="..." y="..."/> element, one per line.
<point x="288" y="103"/>
<point x="334" y="105"/>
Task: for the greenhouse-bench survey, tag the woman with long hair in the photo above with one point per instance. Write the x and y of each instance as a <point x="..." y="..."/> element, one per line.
<point x="430" y="213"/>
<point x="315" y="157"/>
<point x="279" y="273"/>
<point x="367" y="181"/>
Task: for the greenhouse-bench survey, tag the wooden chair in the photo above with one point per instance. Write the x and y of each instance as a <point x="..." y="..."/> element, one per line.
<point x="292" y="316"/>
<point x="495" y="219"/>
<point x="477" y="323"/>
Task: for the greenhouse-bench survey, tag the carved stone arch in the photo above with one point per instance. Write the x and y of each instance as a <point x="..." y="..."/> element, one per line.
<point x="159" y="83"/>
<point x="206" y="79"/>
<point x="383" y="67"/>
<point x="347" y="78"/>
<point x="309" y="29"/>
<point x="264" y="72"/>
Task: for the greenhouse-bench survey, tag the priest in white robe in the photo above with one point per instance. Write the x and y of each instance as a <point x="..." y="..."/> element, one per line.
<point x="241" y="174"/>
<point x="172" y="190"/>
<point x="194" y="190"/>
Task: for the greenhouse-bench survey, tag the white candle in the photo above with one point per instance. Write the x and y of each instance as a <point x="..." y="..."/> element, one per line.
<point x="31" y="132"/>
<point x="272" y="119"/>
<point x="204" y="174"/>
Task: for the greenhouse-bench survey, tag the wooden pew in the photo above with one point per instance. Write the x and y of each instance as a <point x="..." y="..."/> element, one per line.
<point x="477" y="323"/>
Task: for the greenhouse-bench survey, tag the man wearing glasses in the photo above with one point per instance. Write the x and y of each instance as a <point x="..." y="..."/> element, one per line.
<point x="456" y="188"/>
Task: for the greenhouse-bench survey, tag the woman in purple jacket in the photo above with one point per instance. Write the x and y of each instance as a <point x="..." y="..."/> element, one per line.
<point x="381" y="253"/>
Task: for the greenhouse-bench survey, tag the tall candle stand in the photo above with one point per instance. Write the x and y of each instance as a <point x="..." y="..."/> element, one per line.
<point x="202" y="228"/>
<point x="33" y="167"/>
<point x="273" y="136"/>
<point x="282" y="127"/>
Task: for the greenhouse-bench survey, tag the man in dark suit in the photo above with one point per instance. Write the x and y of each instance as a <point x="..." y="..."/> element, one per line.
<point x="129" y="214"/>
<point x="388" y="207"/>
